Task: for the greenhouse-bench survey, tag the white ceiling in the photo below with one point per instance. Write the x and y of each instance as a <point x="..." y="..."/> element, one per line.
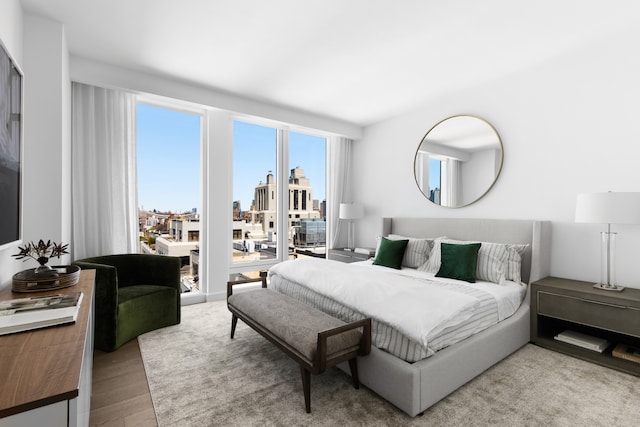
<point x="360" y="61"/>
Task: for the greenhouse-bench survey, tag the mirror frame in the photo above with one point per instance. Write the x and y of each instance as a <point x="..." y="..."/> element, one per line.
<point x="497" y="174"/>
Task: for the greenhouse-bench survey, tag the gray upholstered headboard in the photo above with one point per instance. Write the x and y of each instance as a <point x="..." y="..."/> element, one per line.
<point x="535" y="261"/>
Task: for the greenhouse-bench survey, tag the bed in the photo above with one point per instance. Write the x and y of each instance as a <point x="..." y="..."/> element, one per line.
<point x="415" y="376"/>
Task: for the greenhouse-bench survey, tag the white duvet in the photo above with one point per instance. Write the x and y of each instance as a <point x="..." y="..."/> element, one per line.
<point x="508" y="296"/>
<point x="418" y="308"/>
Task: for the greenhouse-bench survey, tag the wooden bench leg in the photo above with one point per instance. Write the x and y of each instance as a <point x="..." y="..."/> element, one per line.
<point x="306" y="388"/>
<point x="234" y="323"/>
<point x="353" y="367"/>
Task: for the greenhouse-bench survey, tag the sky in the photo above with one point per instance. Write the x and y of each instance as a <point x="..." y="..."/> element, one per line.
<point x="168" y="154"/>
<point x="434" y="174"/>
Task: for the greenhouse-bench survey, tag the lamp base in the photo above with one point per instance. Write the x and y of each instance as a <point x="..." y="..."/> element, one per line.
<point x="608" y="287"/>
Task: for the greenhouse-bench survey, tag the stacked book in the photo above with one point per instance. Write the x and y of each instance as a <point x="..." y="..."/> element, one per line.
<point x="23" y="314"/>
<point x="627" y="352"/>
<point x="583" y="340"/>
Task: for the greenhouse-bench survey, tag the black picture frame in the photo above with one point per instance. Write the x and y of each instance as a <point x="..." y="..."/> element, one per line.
<point x="11" y="93"/>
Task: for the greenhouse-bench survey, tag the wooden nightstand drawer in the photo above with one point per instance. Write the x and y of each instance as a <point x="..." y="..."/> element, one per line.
<point x="612" y="317"/>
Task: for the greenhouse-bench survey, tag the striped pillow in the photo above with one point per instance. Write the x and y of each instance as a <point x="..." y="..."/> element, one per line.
<point x="513" y="262"/>
<point x="491" y="262"/>
<point x="492" y="259"/>
<point x="433" y="264"/>
<point x="417" y="252"/>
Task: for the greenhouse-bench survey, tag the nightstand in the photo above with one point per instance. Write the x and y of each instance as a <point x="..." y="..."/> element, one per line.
<point x="347" y="256"/>
<point x="558" y="305"/>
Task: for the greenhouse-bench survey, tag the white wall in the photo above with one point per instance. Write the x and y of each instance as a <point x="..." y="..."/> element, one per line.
<point x="46" y="192"/>
<point x="11" y="28"/>
<point x="47" y="117"/>
<point x="568" y="125"/>
<point x="478" y="173"/>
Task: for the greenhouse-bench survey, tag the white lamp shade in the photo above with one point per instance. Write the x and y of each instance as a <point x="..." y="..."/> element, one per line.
<point x="608" y="208"/>
<point x="350" y="211"/>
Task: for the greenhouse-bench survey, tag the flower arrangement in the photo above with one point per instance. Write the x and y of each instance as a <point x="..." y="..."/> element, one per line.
<point x="42" y="252"/>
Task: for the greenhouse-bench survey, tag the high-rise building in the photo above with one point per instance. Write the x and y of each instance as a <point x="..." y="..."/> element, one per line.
<point x="263" y="210"/>
<point x="312" y="232"/>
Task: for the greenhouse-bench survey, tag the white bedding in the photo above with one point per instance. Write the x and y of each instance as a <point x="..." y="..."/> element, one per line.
<point x="508" y="296"/>
<point x="416" y="303"/>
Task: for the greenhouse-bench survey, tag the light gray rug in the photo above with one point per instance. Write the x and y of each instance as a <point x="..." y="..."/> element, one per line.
<point x="198" y="376"/>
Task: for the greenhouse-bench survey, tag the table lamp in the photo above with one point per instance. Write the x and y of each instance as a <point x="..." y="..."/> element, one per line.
<point x="350" y="211"/>
<point x="608" y="208"/>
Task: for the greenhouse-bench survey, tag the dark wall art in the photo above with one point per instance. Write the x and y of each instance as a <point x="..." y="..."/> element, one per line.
<point x="10" y="149"/>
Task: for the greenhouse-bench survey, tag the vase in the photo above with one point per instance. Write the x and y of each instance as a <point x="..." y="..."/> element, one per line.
<point x="43" y="269"/>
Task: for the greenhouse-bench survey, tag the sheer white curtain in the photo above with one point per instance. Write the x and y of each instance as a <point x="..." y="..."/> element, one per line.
<point x="422" y="171"/>
<point x="339" y="154"/>
<point x="451" y="182"/>
<point x="104" y="188"/>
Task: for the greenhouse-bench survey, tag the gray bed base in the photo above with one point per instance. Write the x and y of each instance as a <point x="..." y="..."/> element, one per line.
<point x="414" y="387"/>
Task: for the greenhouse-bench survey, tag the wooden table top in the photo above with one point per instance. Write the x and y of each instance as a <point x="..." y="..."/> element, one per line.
<point x="43" y="366"/>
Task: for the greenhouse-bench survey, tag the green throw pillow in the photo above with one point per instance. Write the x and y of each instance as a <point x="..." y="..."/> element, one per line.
<point x="459" y="261"/>
<point x="390" y="253"/>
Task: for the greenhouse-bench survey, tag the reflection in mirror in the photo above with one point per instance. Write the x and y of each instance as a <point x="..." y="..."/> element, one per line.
<point x="458" y="161"/>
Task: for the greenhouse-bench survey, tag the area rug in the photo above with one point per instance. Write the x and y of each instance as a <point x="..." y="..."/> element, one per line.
<point x="198" y="376"/>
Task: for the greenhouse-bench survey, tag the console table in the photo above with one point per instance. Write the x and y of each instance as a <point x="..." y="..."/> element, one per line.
<point x="561" y="304"/>
<point x="45" y="374"/>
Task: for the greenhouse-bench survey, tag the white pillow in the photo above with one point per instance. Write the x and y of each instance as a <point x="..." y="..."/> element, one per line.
<point x="417" y="252"/>
<point x="492" y="258"/>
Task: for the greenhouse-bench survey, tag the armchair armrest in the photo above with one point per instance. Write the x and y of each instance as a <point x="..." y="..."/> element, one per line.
<point x="106" y="292"/>
<point x="106" y="284"/>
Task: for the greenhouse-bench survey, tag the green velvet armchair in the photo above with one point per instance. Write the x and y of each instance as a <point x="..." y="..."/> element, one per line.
<point x="134" y="294"/>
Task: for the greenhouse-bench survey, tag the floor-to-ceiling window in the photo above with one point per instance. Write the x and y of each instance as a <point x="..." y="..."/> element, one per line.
<point x="307" y="201"/>
<point x="169" y="186"/>
<point x="279" y="203"/>
<point x="435" y="180"/>
<point x="255" y="208"/>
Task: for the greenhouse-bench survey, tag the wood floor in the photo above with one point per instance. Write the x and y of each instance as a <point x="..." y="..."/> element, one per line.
<point x="120" y="395"/>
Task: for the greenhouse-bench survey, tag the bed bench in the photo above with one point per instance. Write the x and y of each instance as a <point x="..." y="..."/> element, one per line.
<point x="312" y="338"/>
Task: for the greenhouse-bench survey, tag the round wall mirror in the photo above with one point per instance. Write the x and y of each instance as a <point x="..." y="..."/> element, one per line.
<point x="458" y="161"/>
